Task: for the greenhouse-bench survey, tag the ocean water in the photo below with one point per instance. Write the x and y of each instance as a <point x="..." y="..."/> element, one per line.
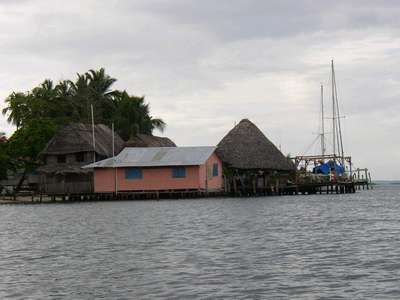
<point x="291" y="247"/>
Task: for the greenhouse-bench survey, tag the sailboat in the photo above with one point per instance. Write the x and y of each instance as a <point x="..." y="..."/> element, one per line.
<point x="337" y="160"/>
<point x="335" y="164"/>
<point x="334" y="169"/>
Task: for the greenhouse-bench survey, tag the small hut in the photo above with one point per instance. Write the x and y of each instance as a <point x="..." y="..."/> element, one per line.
<point x="252" y="163"/>
<point x="162" y="169"/>
<point x="69" y="150"/>
<point x="145" y="140"/>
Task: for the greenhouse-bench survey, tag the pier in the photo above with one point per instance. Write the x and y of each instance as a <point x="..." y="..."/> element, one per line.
<point x="291" y="189"/>
<point x="29" y="198"/>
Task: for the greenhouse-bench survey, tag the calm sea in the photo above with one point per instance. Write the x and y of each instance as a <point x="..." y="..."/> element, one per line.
<point x="294" y="247"/>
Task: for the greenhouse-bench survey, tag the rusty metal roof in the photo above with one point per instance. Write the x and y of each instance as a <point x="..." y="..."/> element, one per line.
<point x="156" y="157"/>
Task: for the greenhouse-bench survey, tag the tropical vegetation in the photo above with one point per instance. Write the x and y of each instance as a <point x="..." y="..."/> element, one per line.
<point x="38" y="113"/>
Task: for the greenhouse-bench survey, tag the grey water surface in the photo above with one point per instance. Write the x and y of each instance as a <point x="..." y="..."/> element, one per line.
<point x="292" y="247"/>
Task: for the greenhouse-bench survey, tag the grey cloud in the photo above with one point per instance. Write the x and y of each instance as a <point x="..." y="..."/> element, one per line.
<point x="205" y="64"/>
<point x="247" y="19"/>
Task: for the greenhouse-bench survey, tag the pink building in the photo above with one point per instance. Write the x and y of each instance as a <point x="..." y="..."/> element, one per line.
<point x="159" y="169"/>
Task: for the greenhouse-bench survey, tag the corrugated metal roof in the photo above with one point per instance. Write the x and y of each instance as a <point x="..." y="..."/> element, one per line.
<point x="157" y="157"/>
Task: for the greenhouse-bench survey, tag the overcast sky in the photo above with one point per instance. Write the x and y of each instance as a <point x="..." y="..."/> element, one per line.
<point x="204" y="65"/>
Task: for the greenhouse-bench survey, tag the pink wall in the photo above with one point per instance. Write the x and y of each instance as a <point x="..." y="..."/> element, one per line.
<point x="212" y="182"/>
<point x="159" y="178"/>
<point x="104" y="180"/>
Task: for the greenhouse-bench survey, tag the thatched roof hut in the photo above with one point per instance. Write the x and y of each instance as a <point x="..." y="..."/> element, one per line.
<point x="144" y="140"/>
<point x="77" y="137"/>
<point x="246" y="147"/>
<point x="71" y="148"/>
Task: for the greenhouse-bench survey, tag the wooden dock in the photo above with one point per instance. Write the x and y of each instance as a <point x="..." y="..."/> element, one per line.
<point x="304" y="189"/>
<point x="299" y="189"/>
<point x="26" y="198"/>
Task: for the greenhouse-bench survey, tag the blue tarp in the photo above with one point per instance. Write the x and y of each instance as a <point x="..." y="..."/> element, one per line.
<point x="322" y="169"/>
<point x="325" y="168"/>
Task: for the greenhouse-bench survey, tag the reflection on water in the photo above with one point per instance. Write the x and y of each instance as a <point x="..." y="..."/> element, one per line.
<point x="302" y="247"/>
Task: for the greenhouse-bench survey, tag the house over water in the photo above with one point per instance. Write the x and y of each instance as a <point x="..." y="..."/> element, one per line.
<point x="251" y="161"/>
<point x="69" y="150"/>
<point x="159" y="169"/>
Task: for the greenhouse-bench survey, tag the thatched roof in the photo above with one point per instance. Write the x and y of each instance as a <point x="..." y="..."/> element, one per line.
<point x="246" y="147"/>
<point x="77" y="137"/>
<point x="56" y="169"/>
<point x="144" y="140"/>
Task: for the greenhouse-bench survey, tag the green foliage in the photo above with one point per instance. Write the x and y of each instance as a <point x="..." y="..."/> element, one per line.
<point x="4" y="161"/>
<point x="70" y="101"/>
<point x="132" y="116"/>
<point x="25" y="144"/>
<point x="38" y="113"/>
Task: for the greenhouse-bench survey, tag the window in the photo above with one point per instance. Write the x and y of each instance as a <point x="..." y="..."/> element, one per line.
<point x="61" y="159"/>
<point x="209" y="171"/>
<point x="215" y="169"/>
<point x="178" y="172"/>
<point x="133" y="173"/>
<point x="80" y="156"/>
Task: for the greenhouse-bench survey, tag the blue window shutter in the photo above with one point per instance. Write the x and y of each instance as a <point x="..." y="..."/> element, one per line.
<point x="215" y="169"/>
<point x="133" y="173"/>
<point x="178" y="172"/>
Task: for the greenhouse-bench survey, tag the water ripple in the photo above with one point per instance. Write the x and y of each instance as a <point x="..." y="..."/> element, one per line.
<point x="306" y="247"/>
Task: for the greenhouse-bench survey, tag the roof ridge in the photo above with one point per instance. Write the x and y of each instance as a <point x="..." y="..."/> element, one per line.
<point x="158" y="156"/>
<point x="245" y="146"/>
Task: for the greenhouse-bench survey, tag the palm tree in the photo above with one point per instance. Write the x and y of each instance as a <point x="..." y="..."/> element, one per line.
<point x="17" y="108"/>
<point x="132" y="116"/>
<point x="43" y="101"/>
<point x="157" y="123"/>
<point x="100" y="83"/>
<point x="94" y="88"/>
<point x="80" y="96"/>
<point x="101" y="94"/>
<point x="70" y="101"/>
<point x="65" y="99"/>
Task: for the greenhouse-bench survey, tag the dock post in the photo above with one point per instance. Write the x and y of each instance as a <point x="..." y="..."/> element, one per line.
<point x="264" y="184"/>
<point x="369" y="179"/>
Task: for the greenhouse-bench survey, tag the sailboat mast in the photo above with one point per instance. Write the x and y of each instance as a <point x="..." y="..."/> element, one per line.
<point x="338" y="124"/>
<point x="333" y="113"/>
<point x="322" y="122"/>
<point x="113" y="139"/>
<point x="340" y="139"/>
<point x="93" y="137"/>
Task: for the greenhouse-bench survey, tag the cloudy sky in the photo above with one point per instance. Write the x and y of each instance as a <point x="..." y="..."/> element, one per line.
<point x="204" y="65"/>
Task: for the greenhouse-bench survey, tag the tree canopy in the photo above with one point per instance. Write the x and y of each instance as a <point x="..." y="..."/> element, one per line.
<point x="70" y="101"/>
<point x="38" y="113"/>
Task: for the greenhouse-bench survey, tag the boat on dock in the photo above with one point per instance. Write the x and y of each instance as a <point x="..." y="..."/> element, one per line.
<point x="330" y="172"/>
